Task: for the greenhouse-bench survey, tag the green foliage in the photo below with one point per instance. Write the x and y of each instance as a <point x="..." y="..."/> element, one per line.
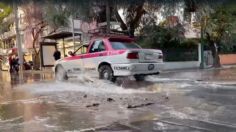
<point x="230" y="47"/>
<point x="161" y="37"/>
<point x="6" y="10"/>
<point x="170" y="41"/>
<point x="56" y="16"/>
<point x="219" y="24"/>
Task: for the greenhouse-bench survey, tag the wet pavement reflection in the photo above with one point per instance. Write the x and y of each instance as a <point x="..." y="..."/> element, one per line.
<point x="184" y="101"/>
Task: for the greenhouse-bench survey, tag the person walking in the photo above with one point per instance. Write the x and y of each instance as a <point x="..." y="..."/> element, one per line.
<point x="57" y="55"/>
<point x="15" y="64"/>
<point x="10" y="60"/>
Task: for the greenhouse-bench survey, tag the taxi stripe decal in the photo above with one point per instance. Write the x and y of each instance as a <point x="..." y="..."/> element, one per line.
<point x="92" y="55"/>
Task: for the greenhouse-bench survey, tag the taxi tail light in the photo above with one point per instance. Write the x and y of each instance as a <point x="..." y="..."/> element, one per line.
<point x="133" y="55"/>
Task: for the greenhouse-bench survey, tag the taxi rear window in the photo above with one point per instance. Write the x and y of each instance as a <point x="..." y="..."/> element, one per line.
<point x="124" y="45"/>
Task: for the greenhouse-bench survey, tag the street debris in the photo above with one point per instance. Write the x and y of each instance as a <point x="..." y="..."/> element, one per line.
<point x="166" y="97"/>
<point x="140" y="105"/>
<point x="199" y="80"/>
<point x="110" y="100"/>
<point x="93" y="105"/>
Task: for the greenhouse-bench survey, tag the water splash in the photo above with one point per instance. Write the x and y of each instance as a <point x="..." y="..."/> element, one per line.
<point x="95" y="87"/>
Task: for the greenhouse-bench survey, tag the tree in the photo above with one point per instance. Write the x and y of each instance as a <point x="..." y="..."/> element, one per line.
<point x="56" y="16"/>
<point x="218" y="29"/>
<point x="135" y="12"/>
<point x="158" y="36"/>
<point x="35" y="24"/>
<point x="37" y="17"/>
<point x="5" y="11"/>
<point x="215" y="19"/>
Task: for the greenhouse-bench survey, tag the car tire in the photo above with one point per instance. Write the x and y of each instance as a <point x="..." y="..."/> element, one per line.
<point x="61" y="74"/>
<point x="139" y="78"/>
<point x="106" y="73"/>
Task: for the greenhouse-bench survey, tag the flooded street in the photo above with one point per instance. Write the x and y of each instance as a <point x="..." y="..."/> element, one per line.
<point x="180" y="101"/>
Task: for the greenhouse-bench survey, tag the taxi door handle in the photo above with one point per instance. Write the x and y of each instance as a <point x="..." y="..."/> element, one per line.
<point x="100" y="54"/>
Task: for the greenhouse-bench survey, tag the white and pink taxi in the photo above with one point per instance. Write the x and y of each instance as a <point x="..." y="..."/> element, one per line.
<point x="109" y="58"/>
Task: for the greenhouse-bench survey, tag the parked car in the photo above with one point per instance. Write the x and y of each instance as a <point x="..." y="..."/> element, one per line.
<point x="109" y="58"/>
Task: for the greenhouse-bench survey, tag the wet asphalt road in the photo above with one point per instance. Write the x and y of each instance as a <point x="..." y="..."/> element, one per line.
<point x="180" y="101"/>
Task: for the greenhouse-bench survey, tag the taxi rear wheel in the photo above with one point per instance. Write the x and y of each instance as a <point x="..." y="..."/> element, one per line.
<point x="139" y="77"/>
<point x="61" y="74"/>
<point x="106" y="73"/>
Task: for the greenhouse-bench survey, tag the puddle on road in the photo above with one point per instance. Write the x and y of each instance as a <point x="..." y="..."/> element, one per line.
<point x="11" y="112"/>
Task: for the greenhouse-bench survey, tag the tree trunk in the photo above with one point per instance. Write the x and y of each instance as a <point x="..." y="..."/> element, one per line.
<point x="136" y="20"/>
<point x="37" y="63"/>
<point x="215" y="55"/>
<point x="131" y="31"/>
<point x="122" y="23"/>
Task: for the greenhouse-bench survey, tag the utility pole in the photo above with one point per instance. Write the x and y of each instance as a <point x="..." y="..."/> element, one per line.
<point x="18" y="40"/>
<point x="202" y="45"/>
<point x="108" y="14"/>
<point x="73" y="31"/>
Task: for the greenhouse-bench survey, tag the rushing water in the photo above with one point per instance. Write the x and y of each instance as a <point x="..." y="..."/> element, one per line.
<point x="188" y="101"/>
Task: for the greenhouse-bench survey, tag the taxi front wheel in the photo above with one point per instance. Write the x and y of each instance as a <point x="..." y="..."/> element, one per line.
<point x="106" y="73"/>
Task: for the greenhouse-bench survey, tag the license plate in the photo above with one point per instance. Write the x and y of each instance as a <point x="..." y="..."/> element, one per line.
<point x="149" y="57"/>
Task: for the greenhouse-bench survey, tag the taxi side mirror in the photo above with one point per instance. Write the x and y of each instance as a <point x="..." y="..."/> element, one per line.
<point x="71" y="53"/>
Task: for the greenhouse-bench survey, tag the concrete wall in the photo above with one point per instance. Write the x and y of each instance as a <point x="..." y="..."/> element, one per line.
<point x="180" y="65"/>
<point x="228" y="59"/>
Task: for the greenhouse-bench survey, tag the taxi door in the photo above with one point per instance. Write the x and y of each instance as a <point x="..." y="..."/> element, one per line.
<point x="96" y="54"/>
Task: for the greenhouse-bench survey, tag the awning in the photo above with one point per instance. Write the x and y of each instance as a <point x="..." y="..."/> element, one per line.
<point x="48" y="43"/>
<point x="61" y="35"/>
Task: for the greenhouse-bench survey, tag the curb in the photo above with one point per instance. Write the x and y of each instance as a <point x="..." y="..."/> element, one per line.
<point x="198" y="69"/>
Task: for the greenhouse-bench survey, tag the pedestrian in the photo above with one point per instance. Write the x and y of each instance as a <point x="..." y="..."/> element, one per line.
<point x="57" y="55"/>
<point x="15" y="64"/>
<point x="10" y="62"/>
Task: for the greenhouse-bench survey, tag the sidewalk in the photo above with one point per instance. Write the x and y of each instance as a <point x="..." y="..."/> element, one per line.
<point x="198" y="69"/>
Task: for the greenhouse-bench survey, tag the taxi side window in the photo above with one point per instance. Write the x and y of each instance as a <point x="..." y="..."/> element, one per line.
<point x="81" y="50"/>
<point x="97" y="46"/>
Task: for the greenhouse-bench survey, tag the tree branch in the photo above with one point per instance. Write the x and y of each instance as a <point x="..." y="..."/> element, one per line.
<point x="140" y="11"/>
<point x="122" y="23"/>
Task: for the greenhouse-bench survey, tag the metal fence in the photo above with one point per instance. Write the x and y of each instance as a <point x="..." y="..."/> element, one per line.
<point x="180" y="54"/>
